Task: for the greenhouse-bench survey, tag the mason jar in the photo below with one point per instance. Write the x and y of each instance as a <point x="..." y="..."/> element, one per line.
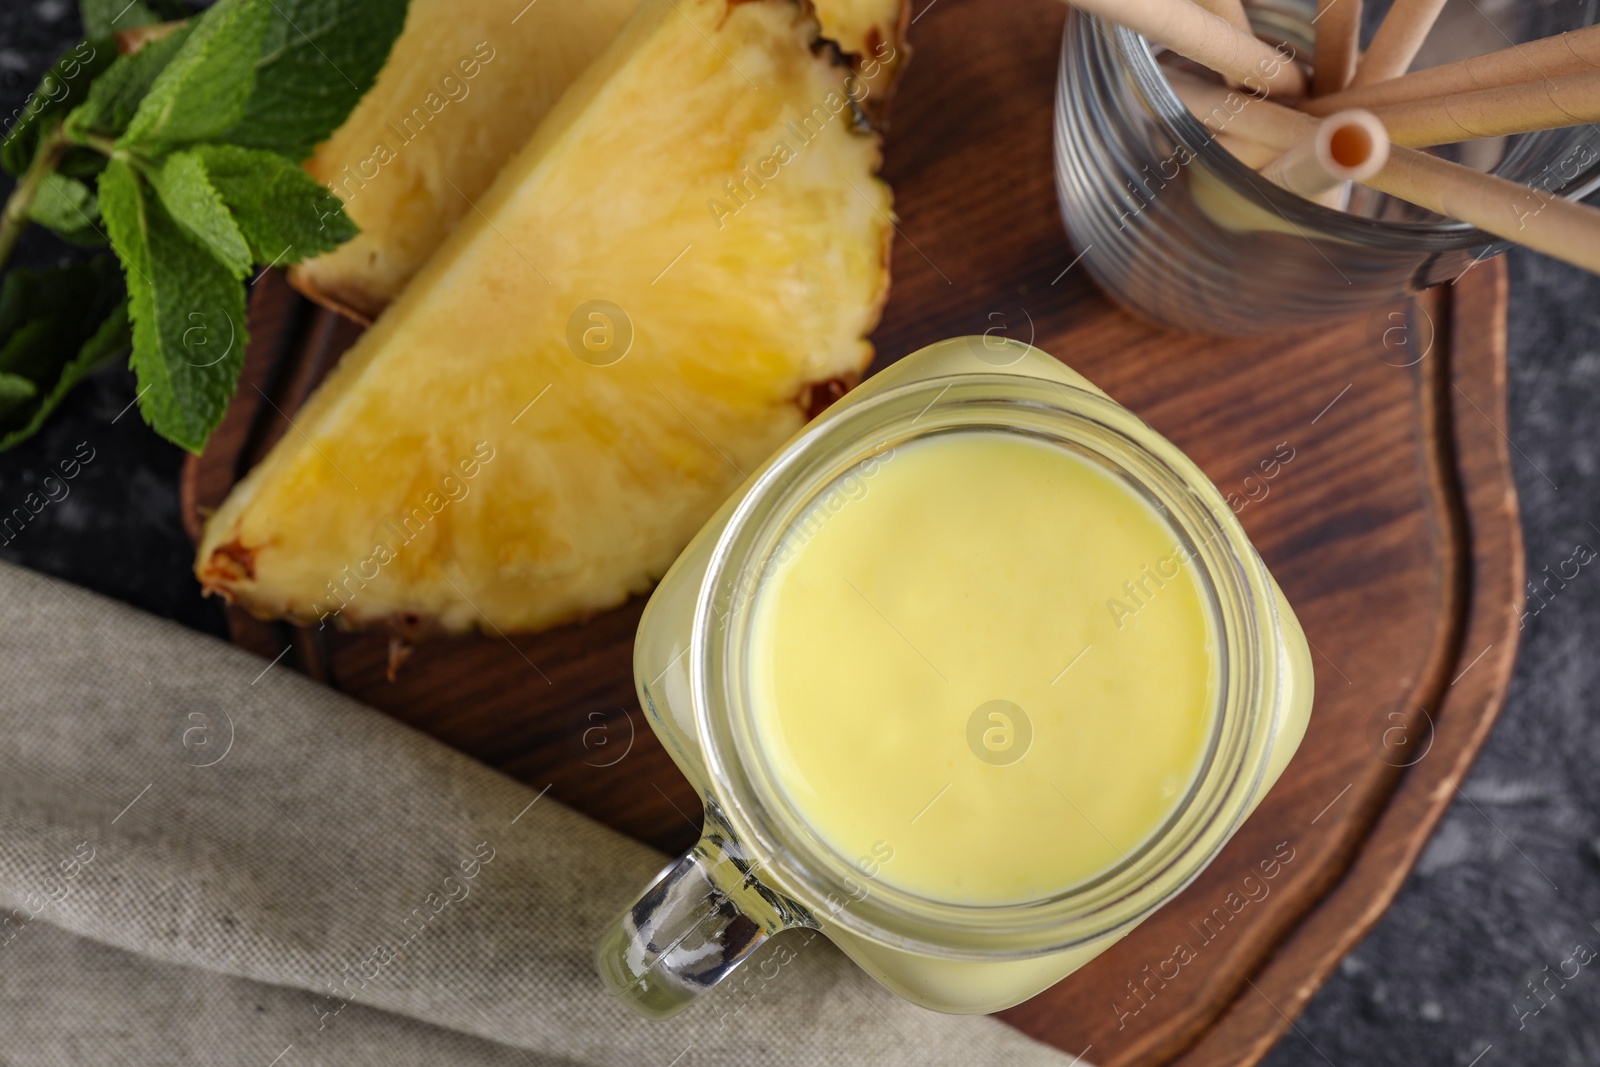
<point x="1179" y="231"/>
<point x="760" y="869"/>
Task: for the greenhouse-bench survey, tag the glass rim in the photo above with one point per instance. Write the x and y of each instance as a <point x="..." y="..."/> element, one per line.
<point x="1242" y="596"/>
<point x="1137" y="55"/>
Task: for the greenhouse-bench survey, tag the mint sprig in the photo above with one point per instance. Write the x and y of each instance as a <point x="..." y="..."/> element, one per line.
<point x="184" y="157"/>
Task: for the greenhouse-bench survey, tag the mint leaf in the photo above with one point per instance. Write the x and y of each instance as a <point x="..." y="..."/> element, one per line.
<point x="108" y="344"/>
<point x="318" y="59"/>
<point x="203" y="90"/>
<point x="15" y="391"/>
<point x="102" y="18"/>
<point x="24" y="345"/>
<point x="190" y="198"/>
<point x="69" y="302"/>
<point x="116" y="94"/>
<point x="68" y="207"/>
<point x="64" y="86"/>
<point x="286" y="215"/>
<point x="58" y="326"/>
<point x="187" y="308"/>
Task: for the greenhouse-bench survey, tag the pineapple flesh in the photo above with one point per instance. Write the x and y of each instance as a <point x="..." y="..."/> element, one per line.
<point x="872" y="33"/>
<point x="640" y="311"/>
<point x="464" y="89"/>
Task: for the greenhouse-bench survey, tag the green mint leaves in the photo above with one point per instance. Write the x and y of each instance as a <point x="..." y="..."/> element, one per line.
<point x="66" y="206"/>
<point x="317" y="61"/>
<point x="187" y="309"/>
<point x="202" y="91"/>
<point x="59" y="325"/>
<point x="189" y="197"/>
<point x="313" y="62"/>
<point x="116" y="95"/>
<point x="183" y="156"/>
<point x="284" y="214"/>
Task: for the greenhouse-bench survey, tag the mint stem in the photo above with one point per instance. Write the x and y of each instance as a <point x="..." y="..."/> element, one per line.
<point x="14" y="216"/>
<point x="106" y="146"/>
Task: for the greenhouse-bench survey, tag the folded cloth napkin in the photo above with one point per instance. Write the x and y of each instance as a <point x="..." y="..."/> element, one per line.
<point x="204" y="858"/>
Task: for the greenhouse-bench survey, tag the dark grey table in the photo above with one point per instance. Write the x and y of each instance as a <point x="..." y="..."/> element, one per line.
<point x="1490" y="955"/>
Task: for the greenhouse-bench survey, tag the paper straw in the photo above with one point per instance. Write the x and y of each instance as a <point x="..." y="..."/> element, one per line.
<point x="1338" y="46"/>
<point x="1252" y="154"/>
<point x="1231" y="10"/>
<point x="1236" y="114"/>
<point x="1197" y="34"/>
<point x="1351" y="146"/>
<point x="1397" y="41"/>
<point x="1510" y="210"/>
<point x="1539" y="220"/>
<point x="1337" y="198"/>
<point x="1574" y="52"/>
<point x="1510" y="109"/>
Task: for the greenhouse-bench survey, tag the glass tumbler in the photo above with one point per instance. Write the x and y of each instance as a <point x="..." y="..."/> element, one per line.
<point x="760" y="869"/>
<point x="1180" y="232"/>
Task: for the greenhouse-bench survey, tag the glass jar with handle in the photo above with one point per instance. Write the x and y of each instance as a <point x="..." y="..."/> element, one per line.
<point x="1096" y="664"/>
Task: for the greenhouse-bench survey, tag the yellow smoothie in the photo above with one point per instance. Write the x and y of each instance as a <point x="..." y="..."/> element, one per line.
<point x="989" y="659"/>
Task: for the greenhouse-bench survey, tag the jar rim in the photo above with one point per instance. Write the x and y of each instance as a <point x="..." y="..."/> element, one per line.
<point x="796" y="859"/>
<point x="1138" y="57"/>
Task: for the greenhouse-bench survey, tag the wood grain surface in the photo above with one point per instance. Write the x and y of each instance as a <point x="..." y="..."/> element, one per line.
<point x="1393" y="531"/>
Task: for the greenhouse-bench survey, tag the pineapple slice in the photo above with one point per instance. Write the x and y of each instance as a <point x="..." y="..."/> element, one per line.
<point x="639" y="311"/>
<point x="872" y="33"/>
<point x="464" y="88"/>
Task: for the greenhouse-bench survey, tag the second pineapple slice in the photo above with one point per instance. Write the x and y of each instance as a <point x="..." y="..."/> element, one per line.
<point x="464" y="88"/>
<point x="641" y="309"/>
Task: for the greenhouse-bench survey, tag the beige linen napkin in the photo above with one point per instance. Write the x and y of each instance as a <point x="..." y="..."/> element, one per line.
<point x="207" y="859"/>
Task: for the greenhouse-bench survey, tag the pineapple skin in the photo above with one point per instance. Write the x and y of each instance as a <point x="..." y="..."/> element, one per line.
<point x="463" y="468"/>
<point x="465" y="85"/>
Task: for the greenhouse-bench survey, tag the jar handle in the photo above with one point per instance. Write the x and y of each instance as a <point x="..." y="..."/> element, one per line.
<point x="702" y="917"/>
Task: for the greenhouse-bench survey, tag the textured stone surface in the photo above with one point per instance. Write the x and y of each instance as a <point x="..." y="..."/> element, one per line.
<point x="1510" y="884"/>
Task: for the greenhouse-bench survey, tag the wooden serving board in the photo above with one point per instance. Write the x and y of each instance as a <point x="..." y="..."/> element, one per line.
<point x="1393" y="530"/>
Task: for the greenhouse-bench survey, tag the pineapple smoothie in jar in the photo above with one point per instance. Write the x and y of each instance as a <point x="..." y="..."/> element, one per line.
<point x="973" y="676"/>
